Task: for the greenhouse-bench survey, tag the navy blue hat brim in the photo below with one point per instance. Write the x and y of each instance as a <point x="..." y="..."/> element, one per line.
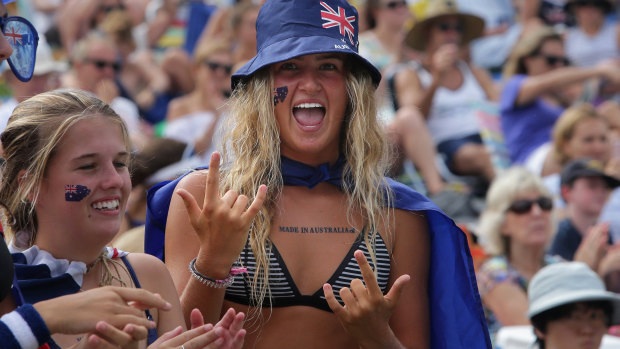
<point x="299" y="46"/>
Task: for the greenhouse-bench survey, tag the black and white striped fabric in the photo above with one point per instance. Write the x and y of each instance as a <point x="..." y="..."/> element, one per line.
<point x="284" y="292"/>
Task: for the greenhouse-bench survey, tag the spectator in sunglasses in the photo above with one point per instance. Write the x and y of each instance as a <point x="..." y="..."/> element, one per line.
<point x="96" y="63"/>
<point x="193" y="118"/>
<point x="594" y="38"/>
<point x="446" y="88"/>
<point x="514" y="228"/>
<point x="585" y="189"/>
<point x="540" y="84"/>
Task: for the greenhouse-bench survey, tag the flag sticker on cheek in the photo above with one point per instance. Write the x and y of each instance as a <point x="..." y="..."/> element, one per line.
<point x="76" y="192"/>
<point x="279" y="94"/>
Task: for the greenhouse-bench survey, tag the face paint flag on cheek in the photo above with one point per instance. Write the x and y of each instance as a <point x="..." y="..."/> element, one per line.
<point x="23" y="38"/>
<point x="76" y="192"/>
<point x="279" y="94"/>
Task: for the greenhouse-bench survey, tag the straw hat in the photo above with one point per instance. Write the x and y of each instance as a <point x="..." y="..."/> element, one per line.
<point x="472" y="25"/>
<point x="568" y="282"/>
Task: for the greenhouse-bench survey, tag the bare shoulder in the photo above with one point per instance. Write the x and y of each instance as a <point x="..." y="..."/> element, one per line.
<point x="146" y="265"/>
<point x="194" y="182"/>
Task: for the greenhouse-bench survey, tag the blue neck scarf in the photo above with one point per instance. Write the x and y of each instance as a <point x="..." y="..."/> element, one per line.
<point x="299" y="174"/>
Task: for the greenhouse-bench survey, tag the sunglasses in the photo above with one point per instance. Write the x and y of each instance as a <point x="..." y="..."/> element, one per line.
<point x="585" y="3"/>
<point x="100" y="64"/>
<point x="110" y="8"/>
<point x="392" y="5"/>
<point x="23" y="38"/>
<point x="214" y="66"/>
<point x="523" y="206"/>
<point x="554" y="60"/>
<point x="445" y="27"/>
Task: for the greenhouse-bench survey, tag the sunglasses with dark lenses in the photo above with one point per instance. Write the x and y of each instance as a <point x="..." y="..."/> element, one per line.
<point x="554" y="60"/>
<point x="23" y="38"/>
<point x="445" y="27"/>
<point x="100" y="64"/>
<point x="522" y="206"/>
<point x="215" y="66"/>
<point x="110" y="8"/>
<point x="584" y="3"/>
<point x="395" y="4"/>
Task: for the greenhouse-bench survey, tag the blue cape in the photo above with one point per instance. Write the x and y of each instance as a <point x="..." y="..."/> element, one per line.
<point x="457" y="318"/>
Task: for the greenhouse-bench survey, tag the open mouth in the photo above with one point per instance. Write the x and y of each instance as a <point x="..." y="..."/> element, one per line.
<point x="108" y="205"/>
<point x="309" y="115"/>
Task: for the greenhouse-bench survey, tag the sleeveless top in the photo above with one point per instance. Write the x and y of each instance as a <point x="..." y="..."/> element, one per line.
<point x="285" y="293"/>
<point x="585" y="51"/>
<point x="453" y="112"/>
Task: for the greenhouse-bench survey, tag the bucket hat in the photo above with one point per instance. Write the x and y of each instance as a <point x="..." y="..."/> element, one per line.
<point x="287" y="29"/>
<point x="473" y="25"/>
<point x="586" y="167"/>
<point x="568" y="282"/>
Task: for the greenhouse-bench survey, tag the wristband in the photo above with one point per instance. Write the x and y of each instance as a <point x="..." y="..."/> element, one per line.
<point x="205" y="280"/>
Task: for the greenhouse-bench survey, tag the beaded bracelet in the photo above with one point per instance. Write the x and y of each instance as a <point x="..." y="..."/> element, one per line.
<point x="203" y="279"/>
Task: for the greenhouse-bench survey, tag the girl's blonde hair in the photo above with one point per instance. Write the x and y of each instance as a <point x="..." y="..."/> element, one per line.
<point x="564" y="128"/>
<point x="34" y="131"/>
<point x="502" y="192"/>
<point x="252" y="157"/>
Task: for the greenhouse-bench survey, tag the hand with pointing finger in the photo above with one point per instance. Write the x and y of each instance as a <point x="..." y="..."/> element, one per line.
<point x="366" y="311"/>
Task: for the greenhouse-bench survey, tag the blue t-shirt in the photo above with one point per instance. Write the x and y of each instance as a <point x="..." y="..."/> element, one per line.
<point x="525" y="127"/>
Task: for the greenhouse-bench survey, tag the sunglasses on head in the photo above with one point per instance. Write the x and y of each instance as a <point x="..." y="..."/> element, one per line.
<point x="215" y="66"/>
<point x="101" y="64"/>
<point x="395" y="4"/>
<point x="23" y="38"/>
<point x="554" y="60"/>
<point x="522" y="206"/>
<point x="446" y="26"/>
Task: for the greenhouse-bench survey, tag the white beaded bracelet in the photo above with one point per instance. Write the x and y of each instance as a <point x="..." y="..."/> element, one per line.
<point x="203" y="279"/>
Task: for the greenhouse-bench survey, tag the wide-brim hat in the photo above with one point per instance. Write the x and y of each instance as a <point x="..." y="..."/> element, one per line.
<point x="568" y="282"/>
<point x="473" y="26"/>
<point x="287" y="29"/>
<point x="604" y="4"/>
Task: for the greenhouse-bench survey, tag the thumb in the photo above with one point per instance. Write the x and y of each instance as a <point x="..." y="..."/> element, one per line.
<point x="397" y="289"/>
<point x="193" y="210"/>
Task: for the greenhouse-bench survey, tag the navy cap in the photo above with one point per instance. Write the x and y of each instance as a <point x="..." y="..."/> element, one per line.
<point x="287" y="29"/>
<point x="586" y="167"/>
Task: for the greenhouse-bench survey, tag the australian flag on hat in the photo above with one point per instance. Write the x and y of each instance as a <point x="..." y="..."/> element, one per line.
<point x="40" y="276"/>
<point x="287" y="29"/>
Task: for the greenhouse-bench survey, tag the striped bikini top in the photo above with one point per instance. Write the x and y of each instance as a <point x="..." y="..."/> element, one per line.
<point x="284" y="292"/>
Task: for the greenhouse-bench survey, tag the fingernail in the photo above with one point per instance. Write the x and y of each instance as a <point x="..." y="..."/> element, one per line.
<point x="219" y="331"/>
<point x="208" y="327"/>
<point x="219" y="341"/>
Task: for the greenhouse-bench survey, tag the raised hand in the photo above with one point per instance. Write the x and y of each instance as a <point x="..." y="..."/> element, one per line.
<point x="223" y="222"/>
<point x="232" y="323"/>
<point x="116" y="306"/>
<point x="594" y="245"/>
<point x="366" y="311"/>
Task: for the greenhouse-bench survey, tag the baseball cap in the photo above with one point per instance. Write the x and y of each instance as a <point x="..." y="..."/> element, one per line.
<point x="586" y="167"/>
<point x="568" y="282"/>
<point x="287" y="29"/>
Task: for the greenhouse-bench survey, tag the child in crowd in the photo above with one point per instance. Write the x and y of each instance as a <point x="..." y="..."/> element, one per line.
<point x="585" y="188"/>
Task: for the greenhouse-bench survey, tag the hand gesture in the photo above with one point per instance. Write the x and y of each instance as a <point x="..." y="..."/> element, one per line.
<point x="223" y="222"/>
<point x="116" y="306"/>
<point x="202" y="337"/>
<point x="366" y="311"/>
<point x="445" y="57"/>
<point x="593" y="246"/>
<point x="231" y="323"/>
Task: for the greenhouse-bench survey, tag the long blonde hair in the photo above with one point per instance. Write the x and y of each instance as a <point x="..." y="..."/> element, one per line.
<point x="251" y="154"/>
<point x="34" y="131"/>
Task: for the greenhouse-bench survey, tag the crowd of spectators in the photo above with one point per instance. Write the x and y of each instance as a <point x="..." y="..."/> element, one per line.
<point x="506" y="113"/>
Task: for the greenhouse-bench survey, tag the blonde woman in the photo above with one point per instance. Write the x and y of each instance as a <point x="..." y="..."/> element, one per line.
<point x="515" y="229"/>
<point x="65" y="183"/>
<point x="303" y="205"/>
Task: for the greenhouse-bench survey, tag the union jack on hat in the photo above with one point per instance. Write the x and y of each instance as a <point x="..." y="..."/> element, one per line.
<point x="291" y="28"/>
